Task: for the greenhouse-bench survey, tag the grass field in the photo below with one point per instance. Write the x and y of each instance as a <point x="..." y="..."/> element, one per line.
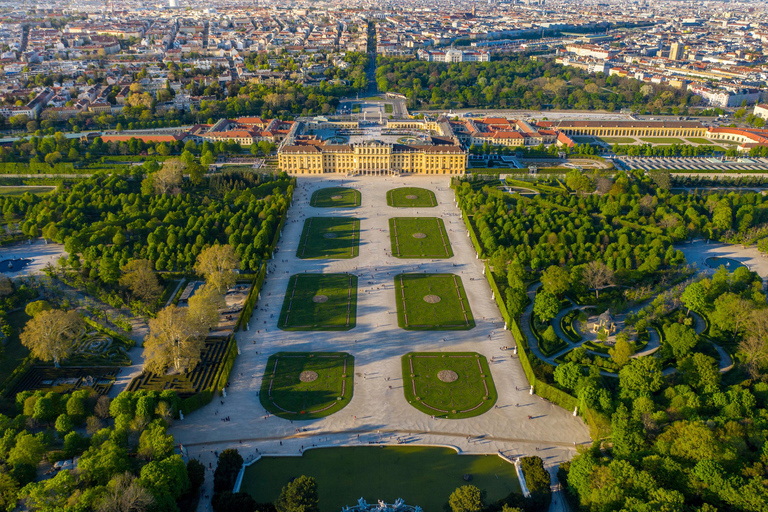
<point x="429" y="385"/>
<point x="335" y="197"/>
<point x="420" y="475"/>
<point x="329" y="237"/>
<point x="419" y="237"/>
<point x="18" y="191"/>
<point x="662" y="140"/>
<point x="319" y="302"/>
<point x="432" y="302"/>
<point x="356" y="108"/>
<point x="411" y="197"/>
<point x="618" y="140"/>
<point x="699" y="140"/>
<point x="388" y="108"/>
<point x="307" y="385"/>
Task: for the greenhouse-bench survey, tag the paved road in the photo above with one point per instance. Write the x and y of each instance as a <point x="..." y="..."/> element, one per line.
<point x="377" y="344"/>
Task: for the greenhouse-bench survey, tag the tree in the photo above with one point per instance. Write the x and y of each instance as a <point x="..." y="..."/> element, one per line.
<point x="169" y="177"/>
<point x="641" y="377"/>
<point x="596" y="276"/>
<point x="626" y="432"/>
<point x="37" y="307"/>
<point x="695" y="297"/>
<point x="125" y="494"/>
<point x="218" y="263"/>
<point x="204" y="307"/>
<point x="155" y="442"/>
<point x="621" y="352"/>
<point x="227" y="468"/>
<point x="101" y="462"/>
<point x="8" y="490"/>
<point x="555" y="280"/>
<point x="228" y="501"/>
<point x="50" y="495"/>
<point x="731" y="313"/>
<point x="167" y="477"/>
<point x="662" y="179"/>
<point x="51" y="335"/>
<point x="515" y="301"/>
<point x="140" y="278"/>
<point x="109" y="270"/>
<point x="568" y="375"/>
<point x="545" y="306"/>
<point x="680" y="338"/>
<point x="64" y="424"/>
<point x="196" y="474"/>
<point x="466" y="498"/>
<point x="298" y="496"/>
<point x="174" y="340"/>
<point x="29" y="449"/>
<point x="207" y="159"/>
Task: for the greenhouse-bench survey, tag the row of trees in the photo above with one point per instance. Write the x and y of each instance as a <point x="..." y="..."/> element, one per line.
<point x="112" y="220"/>
<point x="518" y="82"/>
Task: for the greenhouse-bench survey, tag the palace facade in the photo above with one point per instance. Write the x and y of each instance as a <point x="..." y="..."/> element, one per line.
<point x="435" y="154"/>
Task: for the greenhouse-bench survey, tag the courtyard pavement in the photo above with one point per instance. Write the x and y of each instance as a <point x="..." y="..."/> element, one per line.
<point x="38" y="251"/>
<point x="697" y="252"/>
<point x="378" y="411"/>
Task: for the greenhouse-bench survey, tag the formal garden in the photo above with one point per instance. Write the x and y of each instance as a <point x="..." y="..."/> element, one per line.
<point x="216" y="360"/>
<point x="307" y="385"/>
<point x="451" y="385"/>
<point x="335" y="197"/>
<point x="432" y="302"/>
<point x="329" y="237"/>
<point x="419" y="237"/>
<point x="319" y="302"/>
<point x="66" y="379"/>
<point x="656" y="355"/>
<point x="423" y="476"/>
<point x="411" y="197"/>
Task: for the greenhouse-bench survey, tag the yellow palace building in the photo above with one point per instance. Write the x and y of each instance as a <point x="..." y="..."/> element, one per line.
<point x="436" y="154"/>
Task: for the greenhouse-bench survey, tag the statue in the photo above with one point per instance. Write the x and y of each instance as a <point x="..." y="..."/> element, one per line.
<point x="399" y="503"/>
<point x="362" y="504"/>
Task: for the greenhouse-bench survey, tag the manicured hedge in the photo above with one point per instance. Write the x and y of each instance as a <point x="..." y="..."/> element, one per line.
<point x="225" y="369"/>
<point x="36" y="168"/>
<point x="195" y="402"/>
<point x="253" y="297"/>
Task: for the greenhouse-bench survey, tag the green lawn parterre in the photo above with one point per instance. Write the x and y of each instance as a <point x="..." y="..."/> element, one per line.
<point x="319" y="302"/>
<point x="420" y="475"/>
<point x="326" y="387"/>
<point x="662" y="140"/>
<point x="335" y="197"/>
<point x="450" y="313"/>
<point x="404" y="197"/>
<point x="419" y="237"/>
<point x="431" y="392"/>
<point x="329" y="237"/>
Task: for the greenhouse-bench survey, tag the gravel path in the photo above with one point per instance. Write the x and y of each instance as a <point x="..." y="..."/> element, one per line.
<point x="377" y="343"/>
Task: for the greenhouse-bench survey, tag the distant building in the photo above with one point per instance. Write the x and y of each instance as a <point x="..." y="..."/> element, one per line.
<point x="761" y="110"/>
<point x="675" y="51"/>
<point x="173" y="4"/>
